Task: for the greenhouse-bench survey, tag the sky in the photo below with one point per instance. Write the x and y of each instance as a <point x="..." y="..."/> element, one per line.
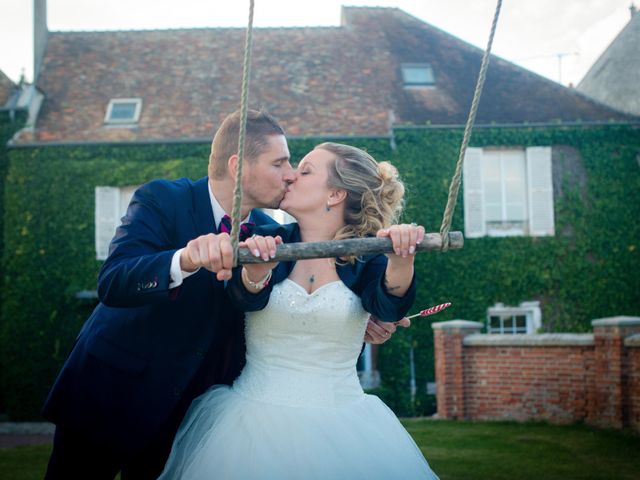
<point x="559" y="39"/>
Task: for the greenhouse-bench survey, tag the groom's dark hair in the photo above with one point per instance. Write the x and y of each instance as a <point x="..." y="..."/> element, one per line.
<point x="260" y="125"/>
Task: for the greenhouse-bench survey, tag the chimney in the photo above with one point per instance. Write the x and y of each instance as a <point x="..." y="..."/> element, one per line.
<point x="40" y="35"/>
<point x="633" y="9"/>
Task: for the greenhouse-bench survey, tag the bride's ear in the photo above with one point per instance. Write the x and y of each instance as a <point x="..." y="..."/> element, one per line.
<point x="336" y="196"/>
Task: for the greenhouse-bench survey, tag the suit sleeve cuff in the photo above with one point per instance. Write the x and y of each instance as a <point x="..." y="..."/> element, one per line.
<point x="177" y="275"/>
<point x="395" y="307"/>
<point x="242" y="298"/>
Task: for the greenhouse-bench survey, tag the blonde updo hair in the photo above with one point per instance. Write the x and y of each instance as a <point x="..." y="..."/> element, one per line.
<point x="375" y="193"/>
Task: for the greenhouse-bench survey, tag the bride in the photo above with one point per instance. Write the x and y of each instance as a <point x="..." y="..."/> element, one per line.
<point x="297" y="410"/>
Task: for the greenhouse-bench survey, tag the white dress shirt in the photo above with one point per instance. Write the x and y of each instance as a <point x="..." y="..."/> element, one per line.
<point x="177" y="274"/>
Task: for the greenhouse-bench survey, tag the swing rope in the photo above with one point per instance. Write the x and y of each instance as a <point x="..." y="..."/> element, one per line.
<point x="454" y="187"/>
<point x="443" y="241"/>
<point x="237" y="192"/>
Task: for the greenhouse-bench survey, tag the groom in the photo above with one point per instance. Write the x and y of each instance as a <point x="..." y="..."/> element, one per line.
<point x="164" y="330"/>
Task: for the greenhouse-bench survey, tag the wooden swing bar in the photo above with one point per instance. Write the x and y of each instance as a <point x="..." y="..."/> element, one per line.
<point x="346" y="248"/>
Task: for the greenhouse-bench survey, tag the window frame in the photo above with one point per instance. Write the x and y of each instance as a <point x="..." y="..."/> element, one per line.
<point x="425" y="66"/>
<point x="506" y="230"/>
<point x="530" y="310"/>
<point x="537" y="189"/>
<point x="368" y="375"/>
<point x="124" y="121"/>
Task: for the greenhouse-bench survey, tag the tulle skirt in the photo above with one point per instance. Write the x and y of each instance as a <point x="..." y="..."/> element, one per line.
<point x="226" y="435"/>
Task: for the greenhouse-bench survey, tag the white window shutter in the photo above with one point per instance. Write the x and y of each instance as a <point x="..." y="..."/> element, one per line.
<point x="126" y="193"/>
<point x="540" y="186"/>
<point x="107" y="218"/>
<point x="474" y="224"/>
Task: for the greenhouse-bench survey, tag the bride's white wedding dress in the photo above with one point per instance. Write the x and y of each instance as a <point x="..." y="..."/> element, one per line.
<point x="297" y="411"/>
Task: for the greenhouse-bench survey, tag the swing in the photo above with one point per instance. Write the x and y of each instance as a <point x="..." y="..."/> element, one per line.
<point x="444" y="240"/>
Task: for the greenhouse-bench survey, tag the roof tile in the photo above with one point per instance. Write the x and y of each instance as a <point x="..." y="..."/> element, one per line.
<point x="316" y="80"/>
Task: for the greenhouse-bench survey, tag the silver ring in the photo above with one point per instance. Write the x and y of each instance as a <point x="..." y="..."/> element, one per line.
<point x="413" y="224"/>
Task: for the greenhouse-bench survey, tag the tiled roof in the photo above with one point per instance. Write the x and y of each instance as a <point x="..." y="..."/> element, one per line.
<point x="614" y="79"/>
<point x="317" y="81"/>
<point x="7" y="87"/>
<point x="511" y="94"/>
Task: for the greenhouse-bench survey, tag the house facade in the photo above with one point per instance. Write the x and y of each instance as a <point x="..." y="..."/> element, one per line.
<point x="548" y="206"/>
<point x="12" y="119"/>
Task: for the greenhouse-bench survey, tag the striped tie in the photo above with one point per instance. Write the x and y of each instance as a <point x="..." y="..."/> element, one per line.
<point x="246" y="229"/>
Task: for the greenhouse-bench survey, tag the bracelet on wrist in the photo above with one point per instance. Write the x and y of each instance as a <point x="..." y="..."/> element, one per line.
<point x="260" y="284"/>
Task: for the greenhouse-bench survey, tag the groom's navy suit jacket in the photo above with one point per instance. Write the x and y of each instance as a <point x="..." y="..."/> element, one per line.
<point x="141" y="352"/>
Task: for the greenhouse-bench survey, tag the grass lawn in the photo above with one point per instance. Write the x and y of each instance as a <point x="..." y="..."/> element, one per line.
<point x="24" y="463"/>
<point x="468" y="450"/>
<point x="501" y="450"/>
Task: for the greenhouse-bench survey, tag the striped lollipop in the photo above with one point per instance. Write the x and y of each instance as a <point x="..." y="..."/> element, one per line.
<point x="431" y="310"/>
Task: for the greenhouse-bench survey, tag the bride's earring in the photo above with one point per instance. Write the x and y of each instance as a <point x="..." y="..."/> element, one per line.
<point x="328" y="208"/>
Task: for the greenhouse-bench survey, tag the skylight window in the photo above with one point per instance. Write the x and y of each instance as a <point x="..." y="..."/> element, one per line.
<point x="417" y="75"/>
<point x="123" y="111"/>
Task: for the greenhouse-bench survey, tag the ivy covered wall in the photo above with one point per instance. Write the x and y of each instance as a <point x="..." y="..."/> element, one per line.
<point x="588" y="270"/>
<point x="50" y="253"/>
<point x="584" y="272"/>
<point x="10" y="123"/>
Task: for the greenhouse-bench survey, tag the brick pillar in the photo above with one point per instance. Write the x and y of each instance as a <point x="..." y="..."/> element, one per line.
<point x="608" y="407"/>
<point x="449" y="358"/>
<point x="632" y="345"/>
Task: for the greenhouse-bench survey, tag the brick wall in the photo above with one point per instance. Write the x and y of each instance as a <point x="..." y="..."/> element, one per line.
<point x="632" y="370"/>
<point x="559" y="378"/>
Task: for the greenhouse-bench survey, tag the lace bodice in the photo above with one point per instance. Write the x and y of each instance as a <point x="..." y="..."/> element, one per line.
<point x="302" y="348"/>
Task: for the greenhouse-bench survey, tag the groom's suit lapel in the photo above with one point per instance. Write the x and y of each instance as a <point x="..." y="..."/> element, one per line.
<point x="201" y="210"/>
<point x="202" y="215"/>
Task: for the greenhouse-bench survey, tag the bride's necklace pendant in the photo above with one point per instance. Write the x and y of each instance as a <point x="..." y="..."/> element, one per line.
<point x="312" y="279"/>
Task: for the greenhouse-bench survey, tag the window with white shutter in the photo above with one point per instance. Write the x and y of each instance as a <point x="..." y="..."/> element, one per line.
<point x="279" y="216"/>
<point x="540" y="184"/>
<point x="111" y="205"/>
<point x="474" y="224"/>
<point x="508" y="191"/>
